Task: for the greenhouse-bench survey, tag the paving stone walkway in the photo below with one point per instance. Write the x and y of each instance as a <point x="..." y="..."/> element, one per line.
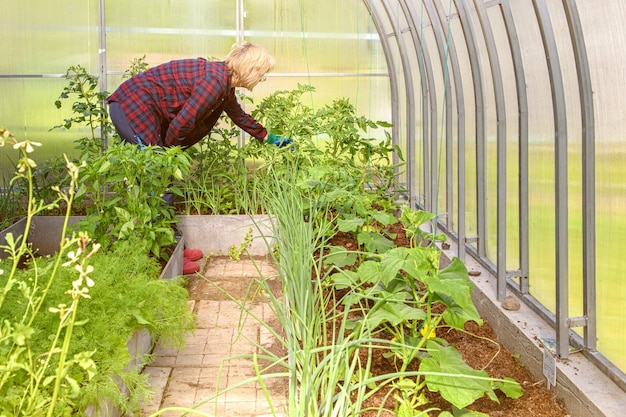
<point x="216" y="353"/>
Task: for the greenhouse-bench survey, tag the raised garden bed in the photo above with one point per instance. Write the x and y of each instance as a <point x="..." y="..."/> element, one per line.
<point x="221" y="234"/>
<point x="44" y="240"/>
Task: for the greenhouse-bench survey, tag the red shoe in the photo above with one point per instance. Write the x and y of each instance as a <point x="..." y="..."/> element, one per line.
<point x="192" y="254"/>
<point x="190" y="267"/>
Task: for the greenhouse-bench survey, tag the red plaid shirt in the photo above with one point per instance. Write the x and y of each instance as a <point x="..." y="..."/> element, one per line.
<point x="179" y="102"/>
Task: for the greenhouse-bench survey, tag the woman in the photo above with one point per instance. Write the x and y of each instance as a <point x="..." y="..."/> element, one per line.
<point x="179" y="102"/>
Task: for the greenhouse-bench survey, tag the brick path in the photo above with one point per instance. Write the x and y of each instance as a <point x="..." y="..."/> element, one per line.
<point x="184" y="378"/>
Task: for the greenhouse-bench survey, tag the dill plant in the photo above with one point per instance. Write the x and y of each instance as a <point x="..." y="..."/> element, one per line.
<point x="67" y="318"/>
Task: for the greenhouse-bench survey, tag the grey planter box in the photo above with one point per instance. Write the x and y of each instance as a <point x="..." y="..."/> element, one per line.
<point x="45" y="237"/>
<point x="216" y="234"/>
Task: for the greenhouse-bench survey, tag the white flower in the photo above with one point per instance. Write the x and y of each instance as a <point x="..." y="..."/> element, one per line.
<point x="27" y="145"/>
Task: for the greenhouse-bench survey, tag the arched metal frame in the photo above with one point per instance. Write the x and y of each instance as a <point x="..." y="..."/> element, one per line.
<point x="438" y="20"/>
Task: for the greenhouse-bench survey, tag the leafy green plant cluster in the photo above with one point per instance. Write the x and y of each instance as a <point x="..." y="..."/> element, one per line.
<point x="67" y="318"/>
<point x="330" y="145"/>
<point x="121" y="188"/>
<point x="89" y="109"/>
<point x="341" y="309"/>
<point x="394" y="290"/>
<point x="333" y="142"/>
<point x="220" y="181"/>
<point x="124" y="296"/>
<point x="125" y="188"/>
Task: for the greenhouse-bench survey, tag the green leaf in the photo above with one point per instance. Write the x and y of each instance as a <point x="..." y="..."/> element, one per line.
<point x="73" y="384"/>
<point x="510" y="387"/>
<point x="122" y="214"/>
<point x="375" y="272"/>
<point x="415" y="218"/>
<point x="22" y="333"/>
<point x="420" y="262"/>
<point x="393" y="313"/>
<point x="466" y="413"/>
<point x="345" y="279"/>
<point x="447" y="374"/>
<point x="83" y="359"/>
<point x="140" y="319"/>
<point x="339" y="257"/>
<point x="383" y="217"/>
<point x="454" y="288"/>
<point x="350" y="225"/>
<point x="375" y="242"/>
<point x="104" y="167"/>
<point x="405" y="410"/>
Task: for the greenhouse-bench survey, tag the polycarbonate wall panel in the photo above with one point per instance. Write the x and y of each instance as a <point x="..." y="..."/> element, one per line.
<point x="541" y="179"/>
<point x="29" y="113"/>
<point x="387" y="33"/>
<point x="542" y="212"/>
<point x="605" y="35"/>
<point x="330" y="45"/>
<point x="163" y="30"/>
<point x="322" y="36"/>
<point x="511" y="109"/>
<point x="42" y="39"/>
<point x="468" y="107"/>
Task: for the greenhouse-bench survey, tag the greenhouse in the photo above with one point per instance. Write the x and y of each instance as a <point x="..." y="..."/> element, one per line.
<point x="403" y="208"/>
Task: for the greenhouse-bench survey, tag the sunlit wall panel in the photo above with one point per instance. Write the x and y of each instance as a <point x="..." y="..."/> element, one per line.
<point x="607" y="61"/>
<point x="40" y="40"/>
<point x="332" y="46"/>
<point x="162" y="31"/>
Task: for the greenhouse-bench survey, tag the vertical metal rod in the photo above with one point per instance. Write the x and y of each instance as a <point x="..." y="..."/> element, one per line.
<point x="470" y="40"/>
<point x="588" y="174"/>
<point x="445" y="42"/>
<point x="561" y="191"/>
<point x="496" y="76"/>
<point x="410" y="99"/>
<point x="447" y="99"/>
<point x="429" y="95"/>
<point x="102" y="64"/>
<point x="393" y="81"/>
<point x="522" y="106"/>
<point x="240" y="28"/>
<point x="240" y="37"/>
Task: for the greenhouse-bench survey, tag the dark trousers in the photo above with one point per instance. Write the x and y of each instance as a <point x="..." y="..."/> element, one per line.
<point x="118" y="117"/>
<point x="126" y="132"/>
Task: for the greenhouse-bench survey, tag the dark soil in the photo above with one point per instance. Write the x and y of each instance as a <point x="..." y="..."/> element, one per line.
<point x="480" y="349"/>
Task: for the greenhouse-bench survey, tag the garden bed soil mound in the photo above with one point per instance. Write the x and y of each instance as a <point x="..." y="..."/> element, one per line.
<point x="480" y="349"/>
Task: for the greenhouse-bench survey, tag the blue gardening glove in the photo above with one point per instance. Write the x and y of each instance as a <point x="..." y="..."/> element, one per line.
<point x="278" y="140"/>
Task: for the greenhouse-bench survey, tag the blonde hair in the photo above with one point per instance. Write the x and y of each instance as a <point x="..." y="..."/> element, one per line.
<point x="248" y="63"/>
